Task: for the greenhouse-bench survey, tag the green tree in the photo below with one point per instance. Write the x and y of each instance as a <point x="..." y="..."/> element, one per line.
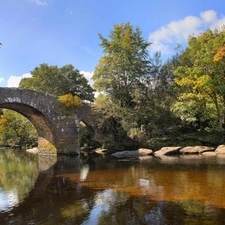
<point x="120" y="72"/>
<point x="136" y="93"/>
<point x="59" y="81"/>
<point x="15" y="129"/>
<point x="201" y="79"/>
<point x="125" y="64"/>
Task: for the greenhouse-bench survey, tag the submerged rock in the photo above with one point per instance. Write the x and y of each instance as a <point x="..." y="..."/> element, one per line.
<point x="136" y="153"/>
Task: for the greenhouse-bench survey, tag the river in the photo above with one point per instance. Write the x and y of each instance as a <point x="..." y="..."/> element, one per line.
<point x="93" y="189"/>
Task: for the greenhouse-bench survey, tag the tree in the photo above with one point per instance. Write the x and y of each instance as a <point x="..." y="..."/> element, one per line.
<point x="200" y="77"/>
<point x="122" y="70"/>
<point x="135" y="88"/>
<point x="125" y="64"/>
<point x="15" y="129"/>
<point x="59" y="81"/>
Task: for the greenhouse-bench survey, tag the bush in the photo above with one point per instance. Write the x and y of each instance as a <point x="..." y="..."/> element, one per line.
<point x="70" y="101"/>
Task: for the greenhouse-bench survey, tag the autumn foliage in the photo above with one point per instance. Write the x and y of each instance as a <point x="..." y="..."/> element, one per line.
<point x="70" y="101"/>
<point x="220" y="54"/>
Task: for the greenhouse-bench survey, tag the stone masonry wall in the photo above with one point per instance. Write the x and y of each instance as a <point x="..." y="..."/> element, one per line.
<point x="58" y="128"/>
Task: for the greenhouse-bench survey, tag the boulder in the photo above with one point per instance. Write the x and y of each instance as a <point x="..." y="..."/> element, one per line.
<point x="102" y="151"/>
<point x="196" y="149"/>
<point x="167" y="151"/>
<point x="136" y="153"/>
<point x="220" y="149"/>
<point x="33" y="150"/>
<point x="209" y="153"/>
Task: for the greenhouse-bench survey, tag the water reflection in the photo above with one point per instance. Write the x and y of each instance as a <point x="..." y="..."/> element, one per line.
<point x="45" y="162"/>
<point x="8" y="199"/>
<point x="84" y="172"/>
<point x="93" y="189"/>
<point x="18" y="173"/>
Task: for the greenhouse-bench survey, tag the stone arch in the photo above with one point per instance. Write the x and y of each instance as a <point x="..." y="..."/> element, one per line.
<point x="89" y="117"/>
<point x="37" y="118"/>
<point x="57" y="127"/>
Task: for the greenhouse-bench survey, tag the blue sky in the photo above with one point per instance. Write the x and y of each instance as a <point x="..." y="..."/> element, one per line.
<point x="60" y="32"/>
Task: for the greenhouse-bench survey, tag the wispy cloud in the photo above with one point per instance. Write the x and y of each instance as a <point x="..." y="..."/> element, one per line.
<point x="1" y="79"/>
<point x="39" y="2"/>
<point x="14" y="81"/>
<point x="88" y="50"/>
<point x="177" y="32"/>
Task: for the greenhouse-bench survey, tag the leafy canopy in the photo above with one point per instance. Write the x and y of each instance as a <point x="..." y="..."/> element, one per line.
<point x="59" y="81"/>
<point x="135" y="89"/>
<point x="124" y="64"/>
<point x="15" y="129"/>
<point x="200" y="76"/>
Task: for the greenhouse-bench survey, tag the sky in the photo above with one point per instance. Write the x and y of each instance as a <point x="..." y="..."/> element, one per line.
<point x="61" y="32"/>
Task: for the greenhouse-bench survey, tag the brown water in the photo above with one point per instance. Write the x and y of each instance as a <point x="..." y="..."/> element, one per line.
<point x="96" y="189"/>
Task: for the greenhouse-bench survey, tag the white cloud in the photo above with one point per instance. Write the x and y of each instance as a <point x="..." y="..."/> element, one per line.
<point x="209" y="16"/>
<point x="14" y="81"/>
<point x="219" y="23"/>
<point x="177" y="32"/>
<point x="39" y="2"/>
<point x="88" y="76"/>
<point x="1" y="79"/>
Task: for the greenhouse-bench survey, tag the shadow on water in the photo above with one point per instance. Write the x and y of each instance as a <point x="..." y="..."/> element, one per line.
<point x="93" y="189"/>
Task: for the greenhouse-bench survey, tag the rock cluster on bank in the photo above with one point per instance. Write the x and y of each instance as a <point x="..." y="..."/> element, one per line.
<point x="176" y="150"/>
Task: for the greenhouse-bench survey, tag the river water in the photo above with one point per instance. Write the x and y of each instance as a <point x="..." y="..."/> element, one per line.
<point x="100" y="189"/>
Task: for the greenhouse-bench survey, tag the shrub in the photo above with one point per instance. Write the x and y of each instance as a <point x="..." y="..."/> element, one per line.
<point x="70" y="101"/>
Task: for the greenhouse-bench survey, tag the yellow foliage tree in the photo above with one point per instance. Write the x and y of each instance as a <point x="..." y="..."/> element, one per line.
<point x="220" y="53"/>
<point x="200" y="78"/>
<point x="70" y="101"/>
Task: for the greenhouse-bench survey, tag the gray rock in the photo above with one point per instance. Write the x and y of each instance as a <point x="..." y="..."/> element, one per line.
<point x="136" y="153"/>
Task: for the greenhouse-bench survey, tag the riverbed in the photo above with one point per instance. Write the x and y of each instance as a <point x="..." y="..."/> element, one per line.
<point x="100" y="189"/>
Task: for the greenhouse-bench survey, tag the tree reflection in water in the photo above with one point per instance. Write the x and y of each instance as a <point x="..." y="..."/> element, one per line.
<point x="18" y="173"/>
<point x="101" y="190"/>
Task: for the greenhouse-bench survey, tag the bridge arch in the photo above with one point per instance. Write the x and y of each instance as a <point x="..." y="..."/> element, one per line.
<point x="57" y="128"/>
<point x="37" y="118"/>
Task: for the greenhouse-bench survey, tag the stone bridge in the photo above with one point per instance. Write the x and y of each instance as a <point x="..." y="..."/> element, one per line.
<point x="57" y="127"/>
